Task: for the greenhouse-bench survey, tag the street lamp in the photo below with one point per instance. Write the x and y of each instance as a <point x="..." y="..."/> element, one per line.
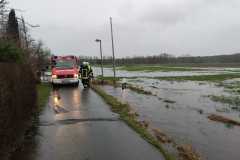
<point x="100" y="42"/>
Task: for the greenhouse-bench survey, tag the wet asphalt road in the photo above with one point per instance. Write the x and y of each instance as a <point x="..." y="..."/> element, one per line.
<point x="78" y="125"/>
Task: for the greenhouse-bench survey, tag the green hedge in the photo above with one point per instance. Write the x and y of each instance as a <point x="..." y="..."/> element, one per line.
<point x="10" y="52"/>
<point x="18" y="98"/>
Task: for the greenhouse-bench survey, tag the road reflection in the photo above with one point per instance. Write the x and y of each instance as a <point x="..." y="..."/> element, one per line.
<point x="85" y="96"/>
<point x="73" y="100"/>
<point x="56" y="98"/>
<point x="76" y="97"/>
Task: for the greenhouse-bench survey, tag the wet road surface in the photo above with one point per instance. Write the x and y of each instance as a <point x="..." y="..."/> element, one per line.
<point x="78" y="125"/>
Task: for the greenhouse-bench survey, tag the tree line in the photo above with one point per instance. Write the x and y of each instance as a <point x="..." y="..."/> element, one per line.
<point x="167" y="59"/>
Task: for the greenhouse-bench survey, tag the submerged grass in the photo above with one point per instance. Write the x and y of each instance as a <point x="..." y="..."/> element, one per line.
<point x="213" y="78"/>
<point x="219" y="118"/>
<point x="110" y="81"/>
<point x="108" y="78"/>
<point x="123" y="110"/>
<point x="233" y="87"/>
<point x="139" y="90"/>
<point x="154" y="68"/>
<point x="169" y="101"/>
<point x="104" y="65"/>
<point x="232" y="100"/>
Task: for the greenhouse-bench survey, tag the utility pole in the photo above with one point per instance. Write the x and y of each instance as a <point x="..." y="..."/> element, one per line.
<point x="114" y="69"/>
<point x="100" y="41"/>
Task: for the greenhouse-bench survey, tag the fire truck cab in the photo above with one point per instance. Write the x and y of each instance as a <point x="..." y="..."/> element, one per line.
<point x="65" y="70"/>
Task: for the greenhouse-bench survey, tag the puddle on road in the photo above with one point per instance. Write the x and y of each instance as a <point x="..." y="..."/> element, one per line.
<point x="186" y="119"/>
<point x="75" y="121"/>
<point x="70" y="103"/>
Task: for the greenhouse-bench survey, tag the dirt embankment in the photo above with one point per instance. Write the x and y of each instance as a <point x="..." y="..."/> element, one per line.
<point x="17" y="103"/>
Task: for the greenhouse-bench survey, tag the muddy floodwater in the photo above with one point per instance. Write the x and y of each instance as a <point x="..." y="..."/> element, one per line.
<point x="180" y="109"/>
<point x="201" y="71"/>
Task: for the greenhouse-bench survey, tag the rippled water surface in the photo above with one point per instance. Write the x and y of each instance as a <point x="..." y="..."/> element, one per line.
<point x="181" y="109"/>
<point x="204" y="71"/>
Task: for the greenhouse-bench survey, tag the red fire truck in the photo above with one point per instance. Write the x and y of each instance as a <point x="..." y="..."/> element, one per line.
<point x="65" y="70"/>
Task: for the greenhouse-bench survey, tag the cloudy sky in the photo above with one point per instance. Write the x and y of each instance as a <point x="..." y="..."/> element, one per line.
<point x="141" y="27"/>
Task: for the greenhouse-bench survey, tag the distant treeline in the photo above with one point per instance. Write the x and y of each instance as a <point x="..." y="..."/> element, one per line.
<point x="167" y="59"/>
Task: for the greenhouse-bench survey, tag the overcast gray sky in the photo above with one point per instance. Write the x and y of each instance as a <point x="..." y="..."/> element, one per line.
<point x="141" y="27"/>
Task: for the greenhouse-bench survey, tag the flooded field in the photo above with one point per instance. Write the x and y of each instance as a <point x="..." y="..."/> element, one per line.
<point x="181" y="110"/>
<point x="202" y="71"/>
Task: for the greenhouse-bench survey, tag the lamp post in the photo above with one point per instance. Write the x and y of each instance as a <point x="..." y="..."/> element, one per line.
<point x="100" y="42"/>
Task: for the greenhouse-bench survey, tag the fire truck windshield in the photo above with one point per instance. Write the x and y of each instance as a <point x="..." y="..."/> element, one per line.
<point x="64" y="64"/>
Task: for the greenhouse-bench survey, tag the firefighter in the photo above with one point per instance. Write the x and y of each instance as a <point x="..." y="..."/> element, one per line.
<point x="87" y="66"/>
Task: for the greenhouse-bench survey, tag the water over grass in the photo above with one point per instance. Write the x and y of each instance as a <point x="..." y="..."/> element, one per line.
<point x="108" y="72"/>
<point x="186" y="119"/>
<point x="215" y="78"/>
<point x="154" y="68"/>
<point x="232" y="100"/>
<point x="123" y="109"/>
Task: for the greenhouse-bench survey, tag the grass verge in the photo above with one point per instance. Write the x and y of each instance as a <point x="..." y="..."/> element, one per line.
<point x="43" y="91"/>
<point x="123" y="110"/>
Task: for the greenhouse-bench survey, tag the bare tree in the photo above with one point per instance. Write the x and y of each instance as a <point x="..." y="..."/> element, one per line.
<point x="3" y="17"/>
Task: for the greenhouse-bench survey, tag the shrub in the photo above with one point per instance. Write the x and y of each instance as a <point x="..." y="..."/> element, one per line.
<point x="17" y="103"/>
<point x="9" y="52"/>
